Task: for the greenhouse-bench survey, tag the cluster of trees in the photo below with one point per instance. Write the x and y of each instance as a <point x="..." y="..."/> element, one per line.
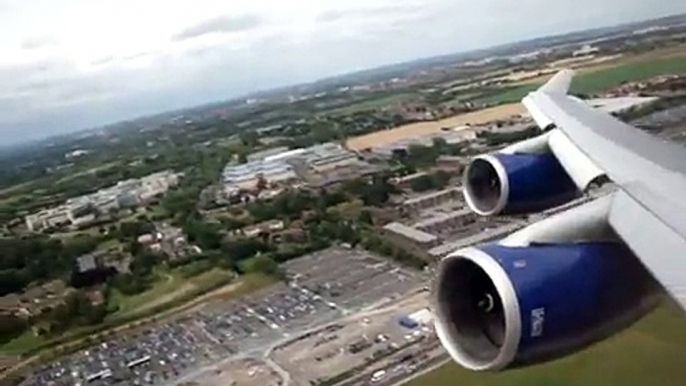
<point x="140" y="277"/>
<point x="437" y="180"/>
<point x="288" y="205"/>
<point x="77" y="310"/>
<point x="25" y="260"/>
<point x="11" y="326"/>
<point x="374" y="193"/>
<point x="420" y="156"/>
<point x="373" y="242"/>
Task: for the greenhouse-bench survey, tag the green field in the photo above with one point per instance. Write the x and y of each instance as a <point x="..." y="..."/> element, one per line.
<point x="25" y="342"/>
<point x="372" y="104"/>
<point x="652" y="352"/>
<point x="597" y="81"/>
<point x="168" y="287"/>
<point x="514" y="94"/>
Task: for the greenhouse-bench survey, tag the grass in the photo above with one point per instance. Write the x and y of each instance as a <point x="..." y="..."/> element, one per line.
<point x="167" y="287"/>
<point x="112" y="244"/>
<point x="601" y="80"/>
<point x="631" y="72"/>
<point x="371" y="104"/>
<point x="652" y="352"/>
<point x="509" y="95"/>
<point x="23" y="343"/>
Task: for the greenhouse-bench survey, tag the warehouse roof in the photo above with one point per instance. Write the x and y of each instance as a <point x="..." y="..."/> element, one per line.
<point x="410" y="233"/>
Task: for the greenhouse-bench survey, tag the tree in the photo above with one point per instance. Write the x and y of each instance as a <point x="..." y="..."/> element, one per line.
<point x="133" y="229"/>
<point x="378" y="192"/>
<point x="260" y="264"/>
<point x="422" y="184"/>
<point x="181" y="202"/>
<point x="441" y="178"/>
<point x="11" y="327"/>
<point x="205" y="235"/>
<point x="25" y="260"/>
<point x="130" y="284"/>
<point x="365" y="217"/>
<point x="243" y="248"/>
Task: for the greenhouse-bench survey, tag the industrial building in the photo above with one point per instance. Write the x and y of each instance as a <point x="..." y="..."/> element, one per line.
<point x="285" y="167"/>
<point x="411" y="238"/>
<point x="264" y="154"/>
<point x="478" y="236"/>
<point x="444" y="220"/>
<point x="247" y="176"/>
<point x="424" y="201"/>
<point x="406" y="181"/>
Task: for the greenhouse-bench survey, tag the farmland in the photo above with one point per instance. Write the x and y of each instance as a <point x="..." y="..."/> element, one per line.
<point x="601" y="78"/>
<point x="378" y="138"/>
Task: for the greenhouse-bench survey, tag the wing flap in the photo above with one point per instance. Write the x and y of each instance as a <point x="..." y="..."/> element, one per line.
<point x="659" y="247"/>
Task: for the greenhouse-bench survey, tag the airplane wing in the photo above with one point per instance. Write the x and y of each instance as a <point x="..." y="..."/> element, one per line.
<point x="649" y="211"/>
<point x="585" y="272"/>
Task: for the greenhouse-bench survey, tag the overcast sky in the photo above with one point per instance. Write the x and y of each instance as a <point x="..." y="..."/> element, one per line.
<point x="67" y="65"/>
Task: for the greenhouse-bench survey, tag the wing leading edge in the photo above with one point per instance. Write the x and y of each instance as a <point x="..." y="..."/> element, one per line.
<point x="649" y="211"/>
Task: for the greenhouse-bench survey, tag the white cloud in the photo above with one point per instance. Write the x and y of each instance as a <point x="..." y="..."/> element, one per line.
<point x="71" y="64"/>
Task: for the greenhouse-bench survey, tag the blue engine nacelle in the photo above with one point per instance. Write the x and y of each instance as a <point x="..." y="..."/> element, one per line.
<point x="499" y="306"/>
<point x="516" y="183"/>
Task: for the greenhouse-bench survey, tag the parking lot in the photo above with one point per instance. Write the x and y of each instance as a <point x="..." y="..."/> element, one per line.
<point x="151" y="357"/>
<point x="351" y="342"/>
<point x="351" y="280"/>
<point x="241" y="372"/>
<point x="323" y="287"/>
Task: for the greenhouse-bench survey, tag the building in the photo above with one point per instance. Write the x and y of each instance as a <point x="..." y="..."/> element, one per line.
<point x="35" y="300"/>
<point x="286" y="167"/>
<point x="406" y="181"/>
<point x="445" y="220"/>
<point x="418" y="203"/>
<point x="410" y="237"/>
<point x="451" y="136"/>
<point x="328" y="156"/>
<point x="586" y="50"/>
<point x="81" y="211"/>
<point x="48" y="218"/>
<point x="452" y="161"/>
<point x="246" y="177"/>
<point x="620" y="105"/>
<point x="478" y="236"/>
<point x="171" y="241"/>
<point x="264" y="154"/>
<point x="263" y="228"/>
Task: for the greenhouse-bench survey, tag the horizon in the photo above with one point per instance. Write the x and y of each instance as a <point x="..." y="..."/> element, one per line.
<point x="25" y="133"/>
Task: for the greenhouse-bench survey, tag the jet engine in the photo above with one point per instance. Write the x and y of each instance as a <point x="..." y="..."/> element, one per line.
<point x="516" y="183"/>
<point x="534" y="296"/>
<point x="529" y="176"/>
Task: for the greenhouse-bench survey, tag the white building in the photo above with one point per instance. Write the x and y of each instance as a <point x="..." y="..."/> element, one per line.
<point x="279" y="168"/>
<point x="79" y="211"/>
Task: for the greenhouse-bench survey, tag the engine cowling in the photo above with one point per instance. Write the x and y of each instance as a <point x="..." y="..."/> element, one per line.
<point x="516" y="183"/>
<point x="499" y="306"/>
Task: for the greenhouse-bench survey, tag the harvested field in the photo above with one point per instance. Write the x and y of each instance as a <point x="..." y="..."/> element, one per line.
<point x="380" y="138"/>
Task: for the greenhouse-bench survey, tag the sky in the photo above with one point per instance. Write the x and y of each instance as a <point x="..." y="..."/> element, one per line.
<point x="68" y="65"/>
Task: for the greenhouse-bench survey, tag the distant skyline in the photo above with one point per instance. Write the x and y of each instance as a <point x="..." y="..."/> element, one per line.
<point x="69" y="65"/>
